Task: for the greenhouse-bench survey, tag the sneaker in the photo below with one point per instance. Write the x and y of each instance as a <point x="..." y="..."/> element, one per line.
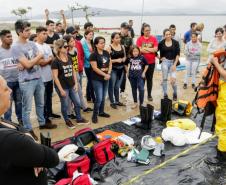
<point x="104" y="115"/>
<point x="94" y="119"/>
<point x="134" y="106"/>
<point x="33" y="135"/>
<point x="55" y="116"/>
<point x="48" y="125"/>
<point x="174" y="97"/>
<point x="114" y="106"/>
<point x="150" y="98"/>
<point x="72" y="116"/>
<point x="120" y="104"/>
<point x="193" y="86"/>
<point x="82" y="121"/>
<point x="185" y="86"/>
<point x="165" y="96"/>
<point x="70" y="125"/>
<point x="20" y="122"/>
<point x="88" y="109"/>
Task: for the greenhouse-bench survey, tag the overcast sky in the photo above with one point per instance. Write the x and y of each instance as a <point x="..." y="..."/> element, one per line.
<point x="131" y="5"/>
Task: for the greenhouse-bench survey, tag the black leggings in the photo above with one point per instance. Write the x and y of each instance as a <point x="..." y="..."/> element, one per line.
<point x="149" y="77"/>
<point x="123" y="84"/>
<point x="90" y="96"/>
<point x="48" y="98"/>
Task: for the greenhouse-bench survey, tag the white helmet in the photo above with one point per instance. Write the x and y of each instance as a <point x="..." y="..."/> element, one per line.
<point x="147" y="142"/>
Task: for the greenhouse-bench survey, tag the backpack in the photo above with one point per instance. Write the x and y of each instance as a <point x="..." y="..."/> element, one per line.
<point x="60" y="144"/>
<point x="82" y="164"/>
<point x="102" y="152"/>
<point x="85" y="138"/>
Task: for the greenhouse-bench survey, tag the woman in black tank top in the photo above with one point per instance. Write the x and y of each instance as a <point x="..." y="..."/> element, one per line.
<point x="118" y="57"/>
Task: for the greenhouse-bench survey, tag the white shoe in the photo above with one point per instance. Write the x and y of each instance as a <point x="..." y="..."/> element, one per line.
<point x="123" y="95"/>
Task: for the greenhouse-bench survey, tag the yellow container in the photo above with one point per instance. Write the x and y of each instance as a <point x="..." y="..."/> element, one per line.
<point x="185" y="124"/>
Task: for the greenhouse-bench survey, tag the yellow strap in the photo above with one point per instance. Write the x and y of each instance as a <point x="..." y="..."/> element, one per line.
<point x="134" y="179"/>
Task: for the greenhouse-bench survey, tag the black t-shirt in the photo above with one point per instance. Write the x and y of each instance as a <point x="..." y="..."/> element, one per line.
<point x="137" y="65"/>
<point x="65" y="72"/>
<point x="74" y="58"/>
<point x="171" y="52"/>
<point x="131" y="32"/>
<point x="18" y="157"/>
<point x="102" y="64"/>
<point x="50" y="40"/>
<point x="116" y="55"/>
<point x="61" y="34"/>
<point x="127" y="42"/>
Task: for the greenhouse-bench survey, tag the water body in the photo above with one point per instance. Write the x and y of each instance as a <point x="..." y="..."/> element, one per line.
<point x="159" y="23"/>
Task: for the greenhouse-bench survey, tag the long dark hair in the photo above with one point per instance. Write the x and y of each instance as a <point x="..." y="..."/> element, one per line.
<point x="113" y="36"/>
<point x="219" y="30"/>
<point x="96" y="41"/>
<point x="144" y="25"/>
<point x="165" y="30"/>
<point x="87" y="32"/>
<point x="131" y="50"/>
<point x="67" y="38"/>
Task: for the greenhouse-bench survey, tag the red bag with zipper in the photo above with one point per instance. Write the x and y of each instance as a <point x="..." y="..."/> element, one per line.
<point x="102" y="152"/>
<point x="81" y="164"/>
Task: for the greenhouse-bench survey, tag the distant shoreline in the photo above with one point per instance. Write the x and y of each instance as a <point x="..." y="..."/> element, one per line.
<point x="5" y="19"/>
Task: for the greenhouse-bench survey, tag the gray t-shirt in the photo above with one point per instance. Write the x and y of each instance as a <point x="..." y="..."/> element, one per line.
<point x="8" y="65"/>
<point x="28" y="50"/>
<point x="193" y="51"/>
<point x="45" y="70"/>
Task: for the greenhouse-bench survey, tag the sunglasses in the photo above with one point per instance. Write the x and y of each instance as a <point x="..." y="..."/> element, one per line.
<point x="65" y="46"/>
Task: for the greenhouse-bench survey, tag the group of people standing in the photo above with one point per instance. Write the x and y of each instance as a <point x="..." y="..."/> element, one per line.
<point x="57" y="55"/>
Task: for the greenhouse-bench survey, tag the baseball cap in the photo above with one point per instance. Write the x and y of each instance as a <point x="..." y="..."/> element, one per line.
<point x="125" y="25"/>
<point x="70" y="30"/>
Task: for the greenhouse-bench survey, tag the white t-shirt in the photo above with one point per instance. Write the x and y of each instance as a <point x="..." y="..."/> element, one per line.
<point x="46" y="72"/>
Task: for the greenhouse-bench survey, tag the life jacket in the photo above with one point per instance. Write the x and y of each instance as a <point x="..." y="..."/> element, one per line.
<point x="207" y="91"/>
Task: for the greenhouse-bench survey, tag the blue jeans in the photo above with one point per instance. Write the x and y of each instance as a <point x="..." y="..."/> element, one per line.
<point x="29" y="89"/>
<point x="137" y="83"/>
<point x="191" y="68"/>
<point x="166" y="70"/>
<point x="114" y="84"/>
<point x="100" y="89"/>
<point x="16" y="97"/>
<point x="73" y="96"/>
<point x="80" y="78"/>
<point x="81" y="98"/>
